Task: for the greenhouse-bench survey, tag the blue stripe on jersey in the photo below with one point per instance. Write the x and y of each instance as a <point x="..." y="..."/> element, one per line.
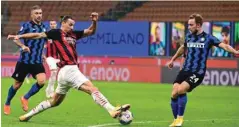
<point x="190" y="51"/>
<point x="40" y="50"/>
<point x="203" y="65"/>
<point x="34" y="51"/>
<point x="196" y="59"/>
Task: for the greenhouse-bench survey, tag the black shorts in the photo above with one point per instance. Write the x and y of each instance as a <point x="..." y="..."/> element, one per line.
<point x="22" y="69"/>
<point x="193" y="79"/>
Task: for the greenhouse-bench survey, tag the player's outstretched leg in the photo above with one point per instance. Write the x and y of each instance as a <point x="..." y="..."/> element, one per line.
<point x="51" y="82"/>
<point x="34" y="89"/>
<point x="11" y="93"/>
<point x="100" y="99"/>
<point x="44" y="105"/>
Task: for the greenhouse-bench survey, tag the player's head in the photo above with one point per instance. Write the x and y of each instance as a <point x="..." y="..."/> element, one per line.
<point x="36" y="13"/>
<point x="67" y="23"/>
<point x="195" y="22"/>
<point x="53" y="24"/>
<point x="225" y="34"/>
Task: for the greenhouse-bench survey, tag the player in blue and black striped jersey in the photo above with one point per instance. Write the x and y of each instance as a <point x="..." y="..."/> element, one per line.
<point x="30" y="60"/>
<point x="197" y="45"/>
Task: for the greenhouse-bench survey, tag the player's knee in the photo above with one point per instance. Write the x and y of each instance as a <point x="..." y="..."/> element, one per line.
<point x="174" y="94"/>
<point x="17" y="85"/>
<point x="93" y="89"/>
<point x="41" y="78"/>
<point x="41" y="82"/>
<point x="54" y="103"/>
<point x="181" y="90"/>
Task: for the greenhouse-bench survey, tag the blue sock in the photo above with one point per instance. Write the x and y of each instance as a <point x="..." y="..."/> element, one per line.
<point x="11" y="94"/>
<point x="174" y="106"/>
<point x="35" y="88"/>
<point x="182" y="101"/>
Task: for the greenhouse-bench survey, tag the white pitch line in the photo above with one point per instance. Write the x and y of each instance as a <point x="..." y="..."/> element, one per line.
<point x="143" y="122"/>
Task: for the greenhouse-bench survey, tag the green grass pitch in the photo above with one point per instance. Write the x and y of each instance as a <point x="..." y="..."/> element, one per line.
<point x="208" y="106"/>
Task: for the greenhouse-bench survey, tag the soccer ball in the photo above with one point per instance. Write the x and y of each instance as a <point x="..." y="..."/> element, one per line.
<point x="126" y="117"/>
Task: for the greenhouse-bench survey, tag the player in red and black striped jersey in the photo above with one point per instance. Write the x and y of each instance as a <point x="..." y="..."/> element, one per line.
<point x="51" y="59"/>
<point x="69" y="75"/>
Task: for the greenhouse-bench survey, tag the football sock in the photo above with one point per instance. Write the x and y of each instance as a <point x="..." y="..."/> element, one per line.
<point x="35" y="88"/>
<point x="174" y="106"/>
<point x="11" y="94"/>
<point x="102" y="101"/>
<point x="39" y="108"/>
<point x="182" y="101"/>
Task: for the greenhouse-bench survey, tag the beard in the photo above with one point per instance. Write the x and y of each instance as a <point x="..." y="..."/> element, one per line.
<point x="195" y="32"/>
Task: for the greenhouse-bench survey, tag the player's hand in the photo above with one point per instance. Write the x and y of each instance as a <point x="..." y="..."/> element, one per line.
<point x="237" y="52"/>
<point x="170" y="64"/>
<point x="13" y="37"/>
<point x="25" y="49"/>
<point x="94" y="16"/>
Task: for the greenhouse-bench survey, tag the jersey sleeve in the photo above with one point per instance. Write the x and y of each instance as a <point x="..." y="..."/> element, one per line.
<point x="52" y="34"/>
<point x="78" y="34"/>
<point x="215" y="41"/>
<point x="24" y="28"/>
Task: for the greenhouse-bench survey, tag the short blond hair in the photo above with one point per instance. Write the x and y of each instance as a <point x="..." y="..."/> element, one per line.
<point x="35" y="7"/>
<point x="198" y="18"/>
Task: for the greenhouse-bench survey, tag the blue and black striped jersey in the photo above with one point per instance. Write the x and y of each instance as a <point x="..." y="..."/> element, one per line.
<point x="36" y="45"/>
<point x="197" y="47"/>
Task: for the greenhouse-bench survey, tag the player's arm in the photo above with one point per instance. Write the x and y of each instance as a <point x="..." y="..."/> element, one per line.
<point x="228" y="48"/>
<point x="179" y="53"/>
<point x="91" y="30"/>
<point x="182" y="61"/>
<point x="224" y="46"/>
<point x="28" y="36"/>
<point x="24" y="29"/>
<point x="22" y="46"/>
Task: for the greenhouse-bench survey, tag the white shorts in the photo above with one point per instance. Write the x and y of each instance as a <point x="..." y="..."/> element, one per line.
<point x="51" y="62"/>
<point x="69" y="77"/>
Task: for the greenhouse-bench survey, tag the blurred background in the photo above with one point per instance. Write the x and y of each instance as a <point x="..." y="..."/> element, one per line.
<point x="133" y="37"/>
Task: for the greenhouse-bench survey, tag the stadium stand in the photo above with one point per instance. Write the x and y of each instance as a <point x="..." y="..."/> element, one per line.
<point x="179" y="11"/>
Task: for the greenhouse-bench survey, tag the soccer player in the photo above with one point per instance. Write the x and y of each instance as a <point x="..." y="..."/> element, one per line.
<point x="51" y="59"/>
<point x="30" y="60"/>
<point x="69" y="75"/>
<point x="197" y="43"/>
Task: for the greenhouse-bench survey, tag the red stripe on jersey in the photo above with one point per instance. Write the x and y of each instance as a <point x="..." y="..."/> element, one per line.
<point x="55" y="55"/>
<point x="62" y="51"/>
<point x="51" y="50"/>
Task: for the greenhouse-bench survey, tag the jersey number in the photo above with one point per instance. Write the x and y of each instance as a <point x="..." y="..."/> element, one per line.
<point x="194" y="78"/>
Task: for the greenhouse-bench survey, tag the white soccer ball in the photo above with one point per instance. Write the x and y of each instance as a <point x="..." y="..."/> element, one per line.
<point x="126" y="117"/>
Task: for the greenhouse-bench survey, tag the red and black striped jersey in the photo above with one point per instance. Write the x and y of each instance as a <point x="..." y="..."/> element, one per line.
<point x="65" y="44"/>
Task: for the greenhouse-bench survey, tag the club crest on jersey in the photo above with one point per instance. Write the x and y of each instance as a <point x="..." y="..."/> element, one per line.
<point x="202" y="39"/>
<point x="195" y="45"/>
